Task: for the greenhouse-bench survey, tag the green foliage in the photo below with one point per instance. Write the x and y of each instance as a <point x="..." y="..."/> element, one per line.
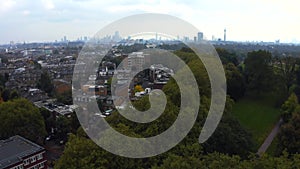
<point x="289" y="107"/>
<point x="63" y="125"/>
<point x="132" y="48"/>
<point x="65" y="97"/>
<point x="48" y="119"/>
<point x="21" y="117"/>
<point x="179" y="162"/>
<point x="81" y="153"/>
<point x="227" y="57"/>
<point x="289" y="137"/>
<point x="14" y="94"/>
<point x="45" y="83"/>
<point x="258" y="71"/>
<point x="257" y="115"/>
<point x="286" y="68"/>
<point x="7" y="94"/>
<point x="221" y="161"/>
<point x="235" y="82"/>
<point x="230" y="138"/>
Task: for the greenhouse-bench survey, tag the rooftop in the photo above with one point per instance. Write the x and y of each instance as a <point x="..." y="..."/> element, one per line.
<point x="13" y="149"/>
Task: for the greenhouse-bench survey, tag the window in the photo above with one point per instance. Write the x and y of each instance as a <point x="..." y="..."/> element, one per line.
<point x="41" y="165"/>
<point x="18" y="167"/>
<point x="39" y="156"/>
<point x="38" y="166"/>
<point x="26" y="162"/>
<point x="33" y="159"/>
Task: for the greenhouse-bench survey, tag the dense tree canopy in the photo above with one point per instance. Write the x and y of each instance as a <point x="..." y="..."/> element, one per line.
<point x="289" y="138"/>
<point x="21" y="117"/>
<point x="258" y="71"/>
<point x="227" y="57"/>
<point x="235" y="82"/>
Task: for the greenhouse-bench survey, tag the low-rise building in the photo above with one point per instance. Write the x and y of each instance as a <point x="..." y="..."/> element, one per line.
<point x="19" y="153"/>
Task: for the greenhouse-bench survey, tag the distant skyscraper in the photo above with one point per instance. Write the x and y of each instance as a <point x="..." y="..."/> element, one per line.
<point x="12" y="43"/>
<point x="185" y="39"/>
<point x="85" y="38"/>
<point x="65" y="39"/>
<point x="117" y="37"/>
<point x="224" y="34"/>
<point x="200" y="36"/>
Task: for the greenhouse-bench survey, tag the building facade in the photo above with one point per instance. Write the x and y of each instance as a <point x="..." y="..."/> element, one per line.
<point x="19" y="153"/>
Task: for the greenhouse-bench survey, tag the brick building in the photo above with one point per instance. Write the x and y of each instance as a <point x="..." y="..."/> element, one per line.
<point x="19" y="153"/>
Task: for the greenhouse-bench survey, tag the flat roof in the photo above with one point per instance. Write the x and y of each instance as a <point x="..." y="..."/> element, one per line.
<point x="14" y="149"/>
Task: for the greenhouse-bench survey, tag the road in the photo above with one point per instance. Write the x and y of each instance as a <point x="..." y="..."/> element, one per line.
<point x="263" y="148"/>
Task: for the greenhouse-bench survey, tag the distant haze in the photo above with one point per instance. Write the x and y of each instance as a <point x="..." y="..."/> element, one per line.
<point x="248" y="20"/>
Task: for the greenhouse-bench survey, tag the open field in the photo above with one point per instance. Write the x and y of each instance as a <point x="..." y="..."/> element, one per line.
<point x="258" y="116"/>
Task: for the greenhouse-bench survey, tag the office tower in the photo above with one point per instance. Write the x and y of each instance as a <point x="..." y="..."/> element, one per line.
<point x="224" y="34"/>
<point x="200" y="36"/>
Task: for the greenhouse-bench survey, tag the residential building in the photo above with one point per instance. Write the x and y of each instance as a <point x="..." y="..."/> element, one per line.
<point x="19" y="153"/>
<point x="136" y="61"/>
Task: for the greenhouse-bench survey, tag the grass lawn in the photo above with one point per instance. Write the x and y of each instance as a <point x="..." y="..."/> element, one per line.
<point x="258" y="116"/>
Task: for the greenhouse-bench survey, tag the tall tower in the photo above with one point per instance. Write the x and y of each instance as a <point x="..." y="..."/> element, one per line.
<point x="200" y="36"/>
<point x="225" y="34"/>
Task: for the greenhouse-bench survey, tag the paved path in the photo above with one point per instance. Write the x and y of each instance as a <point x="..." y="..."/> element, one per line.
<point x="263" y="148"/>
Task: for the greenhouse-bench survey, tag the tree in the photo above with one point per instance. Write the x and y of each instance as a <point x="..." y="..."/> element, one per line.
<point x="63" y="126"/>
<point x="48" y="119"/>
<point x="287" y="71"/>
<point x="81" y="153"/>
<point x="235" y="82"/>
<point x="45" y="83"/>
<point x="289" y="137"/>
<point x="259" y="71"/>
<point x="289" y="107"/>
<point x="230" y="138"/>
<point x="21" y="117"/>
<point x="227" y="57"/>
<point x="179" y="162"/>
<point x="65" y="97"/>
<point x="14" y="94"/>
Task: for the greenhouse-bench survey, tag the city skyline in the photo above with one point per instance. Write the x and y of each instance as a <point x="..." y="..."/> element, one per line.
<point x="50" y="20"/>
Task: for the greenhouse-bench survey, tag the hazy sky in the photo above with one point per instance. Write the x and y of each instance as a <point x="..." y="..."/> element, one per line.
<point x="49" y="20"/>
